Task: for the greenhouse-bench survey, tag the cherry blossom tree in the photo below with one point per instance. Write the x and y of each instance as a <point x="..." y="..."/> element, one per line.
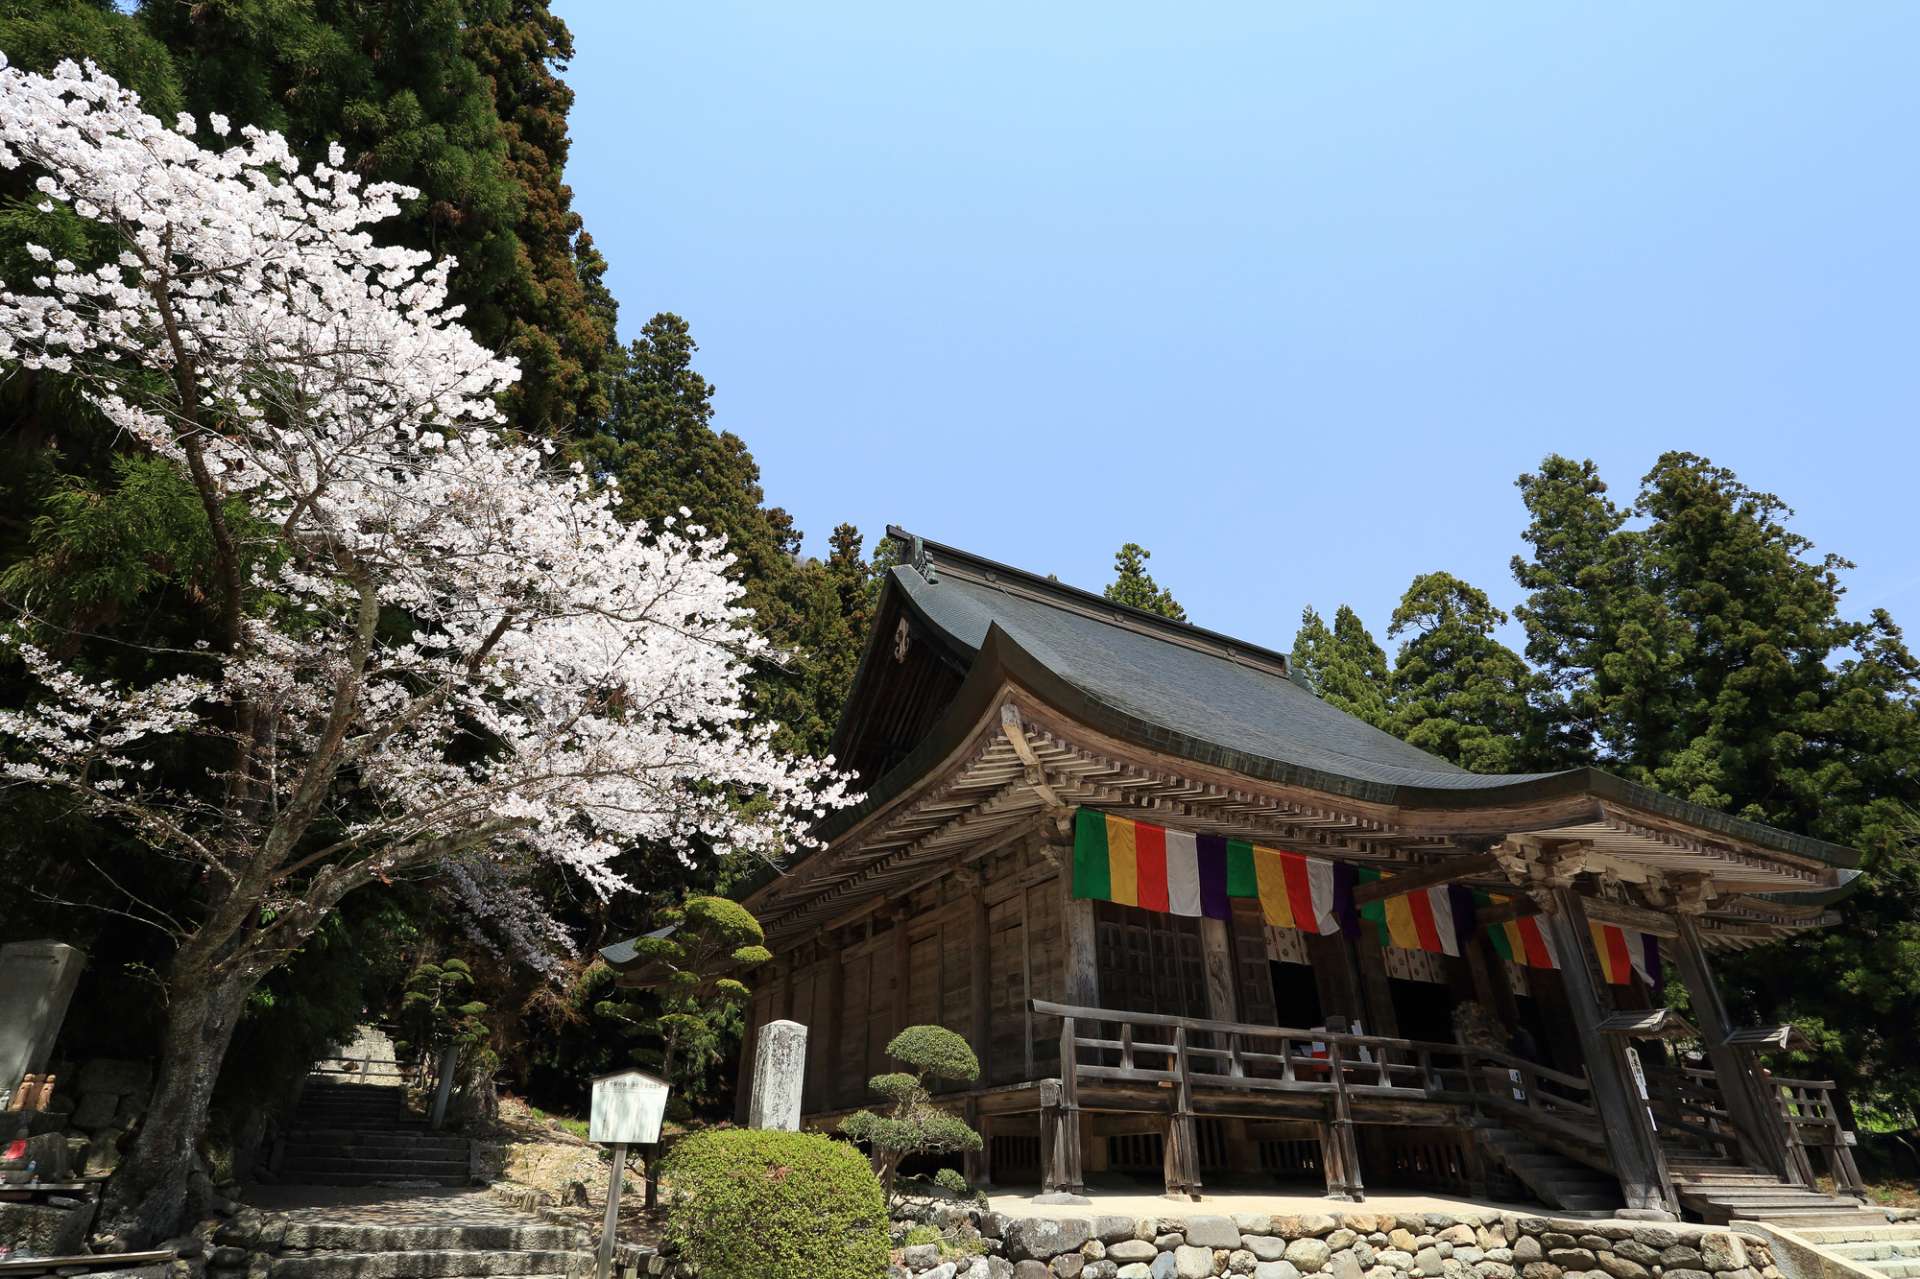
<point x="431" y="646"/>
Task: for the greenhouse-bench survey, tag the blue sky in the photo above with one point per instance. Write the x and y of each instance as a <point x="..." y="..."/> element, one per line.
<point x="1288" y="293"/>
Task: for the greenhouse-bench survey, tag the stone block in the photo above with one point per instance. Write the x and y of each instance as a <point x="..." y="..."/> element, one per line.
<point x="1169" y="1241"/>
<point x="1720" y="1250"/>
<point x="1494" y="1270"/>
<point x="1685" y="1273"/>
<point x="1212" y="1232"/>
<point x="1190" y="1262"/>
<point x="1597" y="1243"/>
<point x="1341" y="1238"/>
<point x="1134" y="1270"/>
<point x="37" y="979"/>
<point x="1163" y="1266"/>
<point x="1265" y="1247"/>
<point x="1343" y="1265"/>
<point x="1552" y="1239"/>
<point x="115" y="1075"/>
<point x="1426" y="1262"/>
<point x="1044" y="1238"/>
<point x="1363" y="1223"/>
<point x="1275" y="1270"/>
<point x="1030" y="1269"/>
<point x="1681" y="1256"/>
<point x="1113" y="1229"/>
<point x="1308" y="1254"/>
<point x="1253" y="1223"/>
<point x="1395" y="1259"/>
<point x="1131" y="1250"/>
<point x="1068" y="1265"/>
<point x="1655" y="1236"/>
<point x="96" y="1111"/>
<point x="1093" y="1250"/>
<point x="1526" y="1249"/>
<point x="1241" y="1262"/>
<point x="1540" y="1270"/>
<point x="1318" y="1223"/>
<point x="779" y="1072"/>
<point x="1572" y="1258"/>
<point x="1102" y="1269"/>
<point x="1403" y="1239"/>
<point x="1457" y="1235"/>
<point x="1620" y="1267"/>
<point x="921" y="1256"/>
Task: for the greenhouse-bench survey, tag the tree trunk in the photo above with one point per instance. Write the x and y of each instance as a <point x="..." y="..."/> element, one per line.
<point x="148" y="1197"/>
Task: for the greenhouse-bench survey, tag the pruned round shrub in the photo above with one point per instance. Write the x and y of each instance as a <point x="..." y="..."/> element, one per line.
<point x="748" y="1204"/>
<point x="936" y="1051"/>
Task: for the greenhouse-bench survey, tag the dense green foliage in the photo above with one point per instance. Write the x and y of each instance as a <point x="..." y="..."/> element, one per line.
<point x="463" y="99"/>
<point x="1344" y="666"/>
<point x="1133" y="586"/>
<point x="913" y="1124"/>
<point x="775" y="1205"/>
<point x="1692" y="642"/>
<point x="695" y="969"/>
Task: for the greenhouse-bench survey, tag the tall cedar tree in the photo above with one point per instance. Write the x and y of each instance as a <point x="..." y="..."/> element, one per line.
<point x="1345" y="667"/>
<point x="1133" y="585"/>
<point x="460" y="98"/>
<point x="1458" y="691"/>
<point x="659" y="444"/>
<point x="1701" y="651"/>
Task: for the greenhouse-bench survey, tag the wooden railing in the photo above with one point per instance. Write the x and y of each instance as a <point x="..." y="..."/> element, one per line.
<point x="1182" y="1054"/>
<point x="1810" y="1115"/>
<point x="1688" y="1105"/>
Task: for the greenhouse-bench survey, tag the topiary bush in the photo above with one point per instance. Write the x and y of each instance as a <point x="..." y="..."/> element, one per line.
<point x="748" y="1204"/>
<point x="914" y="1125"/>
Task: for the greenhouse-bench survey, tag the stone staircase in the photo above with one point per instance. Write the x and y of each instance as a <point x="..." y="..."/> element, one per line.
<point x="1556" y="1180"/>
<point x="364" y="1135"/>
<point x="1892" y="1249"/>
<point x="435" y="1251"/>
<point x="1722" y="1190"/>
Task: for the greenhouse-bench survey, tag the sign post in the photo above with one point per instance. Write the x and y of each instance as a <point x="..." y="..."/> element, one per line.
<point x="627" y="1109"/>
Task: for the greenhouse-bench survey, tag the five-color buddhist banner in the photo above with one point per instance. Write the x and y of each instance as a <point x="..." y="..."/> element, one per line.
<point x="1438" y="919"/>
<point x="1116" y="859"/>
<point x="1131" y="863"/>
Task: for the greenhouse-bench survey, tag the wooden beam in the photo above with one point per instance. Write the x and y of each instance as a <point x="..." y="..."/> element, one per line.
<point x="1519" y="906"/>
<point x="1407" y="881"/>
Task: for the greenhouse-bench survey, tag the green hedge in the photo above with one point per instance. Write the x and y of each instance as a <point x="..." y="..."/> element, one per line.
<point x="745" y="1204"/>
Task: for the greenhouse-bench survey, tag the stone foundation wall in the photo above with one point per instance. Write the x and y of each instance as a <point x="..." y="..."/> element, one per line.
<point x="1349" y="1245"/>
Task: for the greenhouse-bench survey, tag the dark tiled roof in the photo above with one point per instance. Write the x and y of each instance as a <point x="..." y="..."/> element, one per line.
<point x="1211" y="696"/>
<point x="1217" y="700"/>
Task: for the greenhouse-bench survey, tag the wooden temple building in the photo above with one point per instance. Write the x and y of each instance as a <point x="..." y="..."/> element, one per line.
<point x="1197" y="924"/>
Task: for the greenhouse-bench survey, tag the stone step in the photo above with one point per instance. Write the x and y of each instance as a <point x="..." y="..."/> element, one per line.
<point x="369" y="1179"/>
<point x="501" y="1237"/>
<point x="390" y="1166"/>
<point x="423" y="1264"/>
<point x="1875" y="1249"/>
<point x="1904" y="1268"/>
<point x="404" y="1139"/>
<point x="304" y="1150"/>
<point x="1884" y="1230"/>
<point x="1797" y="1219"/>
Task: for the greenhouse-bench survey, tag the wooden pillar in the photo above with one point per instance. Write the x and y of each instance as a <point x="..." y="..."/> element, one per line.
<point x="1216" y="953"/>
<point x="902" y="974"/>
<point x="1490" y="985"/>
<point x="1377" y="988"/>
<point x="1080" y="974"/>
<point x="823" y="1037"/>
<point x="1334" y="974"/>
<point x="743" y="1083"/>
<point x="1632" y="1145"/>
<point x="1760" y="1137"/>
<point x="980" y="1013"/>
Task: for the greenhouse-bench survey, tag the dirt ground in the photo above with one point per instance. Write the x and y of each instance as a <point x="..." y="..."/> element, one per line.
<point x="527" y="1149"/>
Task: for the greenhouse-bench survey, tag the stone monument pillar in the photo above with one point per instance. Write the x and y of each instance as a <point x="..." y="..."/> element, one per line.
<point x="36" y="984"/>
<point x="779" y="1070"/>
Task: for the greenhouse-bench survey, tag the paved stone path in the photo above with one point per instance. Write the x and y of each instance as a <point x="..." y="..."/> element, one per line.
<point x="382" y="1206"/>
